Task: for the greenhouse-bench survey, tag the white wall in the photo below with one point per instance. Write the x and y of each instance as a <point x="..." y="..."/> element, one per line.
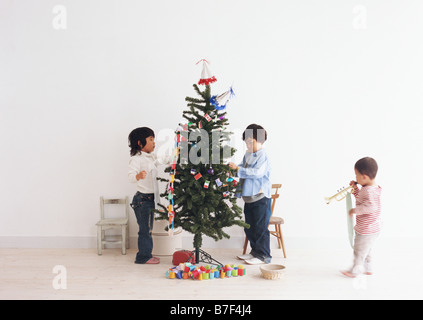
<point x="332" y="81"/>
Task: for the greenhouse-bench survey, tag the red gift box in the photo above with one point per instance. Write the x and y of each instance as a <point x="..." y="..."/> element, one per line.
<point x="183" y="256"/>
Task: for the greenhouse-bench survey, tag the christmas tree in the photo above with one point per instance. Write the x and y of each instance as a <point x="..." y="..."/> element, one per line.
<point x="201" y="189"/>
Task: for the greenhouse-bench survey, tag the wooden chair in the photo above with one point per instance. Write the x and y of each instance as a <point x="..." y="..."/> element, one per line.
<point x="276" y="221"/>
<point x="120" y="223"/>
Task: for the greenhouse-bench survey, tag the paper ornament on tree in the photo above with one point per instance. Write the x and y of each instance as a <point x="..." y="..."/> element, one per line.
<point x="220" y="101"/>
<point x="210" y="170"/>
<point x="206" y="76"/>
<point x="170" y="186"/>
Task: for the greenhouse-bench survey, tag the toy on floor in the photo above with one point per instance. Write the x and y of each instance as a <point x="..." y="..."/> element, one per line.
<point x="342" y="194"/>
<point x="191" y="271"/>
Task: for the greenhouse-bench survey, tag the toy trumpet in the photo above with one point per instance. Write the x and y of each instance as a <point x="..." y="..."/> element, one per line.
<point x="342" y="193"/>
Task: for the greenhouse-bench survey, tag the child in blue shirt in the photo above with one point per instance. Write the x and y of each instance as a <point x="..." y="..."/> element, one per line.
<point x="254" y="174"/>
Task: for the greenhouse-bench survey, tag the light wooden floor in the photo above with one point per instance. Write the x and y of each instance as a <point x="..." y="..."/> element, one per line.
<point x="310" y="274"/>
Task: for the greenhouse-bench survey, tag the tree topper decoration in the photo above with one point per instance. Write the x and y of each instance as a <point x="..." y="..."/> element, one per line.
<point x="206" y="76"/>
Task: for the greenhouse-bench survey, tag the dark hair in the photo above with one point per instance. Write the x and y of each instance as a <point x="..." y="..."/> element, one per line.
<point x="141" y="135"/>
<point x="367" y="166"/>
<point x="256" y="132"/>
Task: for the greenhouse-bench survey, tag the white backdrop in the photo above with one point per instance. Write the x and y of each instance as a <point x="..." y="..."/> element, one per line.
<point x="331" y="81"/>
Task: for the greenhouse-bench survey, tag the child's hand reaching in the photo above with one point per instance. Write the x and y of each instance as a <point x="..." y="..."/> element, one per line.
<point x="233" y="166"/>
<point x="352" y="212"/>
<point x="141" y="175"/>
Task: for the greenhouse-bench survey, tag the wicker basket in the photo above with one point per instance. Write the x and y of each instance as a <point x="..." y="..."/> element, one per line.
<point x="272" y="271"/>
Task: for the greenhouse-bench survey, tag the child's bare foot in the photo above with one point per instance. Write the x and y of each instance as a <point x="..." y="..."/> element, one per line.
<point x="153" y="260"/>
<point x="348" y="274"/>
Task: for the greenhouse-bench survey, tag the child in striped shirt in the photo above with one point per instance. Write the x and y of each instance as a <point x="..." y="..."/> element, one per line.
<point x="367" y="211"/>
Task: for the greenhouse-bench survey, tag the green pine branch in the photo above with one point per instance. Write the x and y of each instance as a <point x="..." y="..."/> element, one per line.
<point x="199" y="210"/>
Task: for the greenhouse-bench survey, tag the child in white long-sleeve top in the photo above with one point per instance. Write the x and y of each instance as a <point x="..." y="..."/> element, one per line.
<point x="367" y="211"/>
<point x="143" y="171"/>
